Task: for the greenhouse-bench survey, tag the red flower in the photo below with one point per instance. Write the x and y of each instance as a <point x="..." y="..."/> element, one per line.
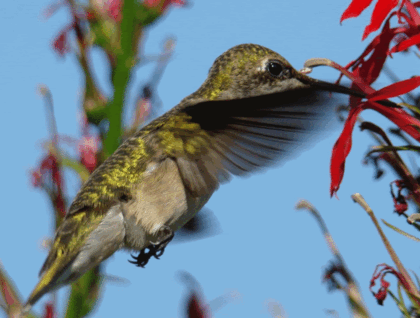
<point x="400" y="208"/>
<point x="195" y="308"/>
<point x="380" y="295"/>
<point x="405" y="121"/>
<point x="400" y="202"/>
<point x="49" y="311"/>
<point x="36" y="178"/>
<point x="343" y="145"/>
<point x="376" y="53"/>
<point x="341" y="150"/>
<point x="48" y="176"/>
<point x="355" y="8"/>
<point x="381" y="11"/>
<point x="7" y="292"/>
<point x="60" y="44"/>
<point x="48" y="166"/>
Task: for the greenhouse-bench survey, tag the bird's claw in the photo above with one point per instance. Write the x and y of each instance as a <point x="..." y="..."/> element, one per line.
<point x="146" y="254"/>
<point x="155" y="249"/>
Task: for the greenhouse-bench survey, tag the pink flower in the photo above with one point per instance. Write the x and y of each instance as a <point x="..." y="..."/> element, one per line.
<point x="142" y="112"/>
<point x="111" y="8"/>
<point x="36" y="178"/>
<point x="88" y="149"/>
<point x="161" y="5"/>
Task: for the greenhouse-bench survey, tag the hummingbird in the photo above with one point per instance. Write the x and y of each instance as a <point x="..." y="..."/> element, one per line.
<point x="253" y="109"/>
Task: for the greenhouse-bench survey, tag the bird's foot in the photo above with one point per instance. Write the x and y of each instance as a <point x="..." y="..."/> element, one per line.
<point x="156" y="249"/>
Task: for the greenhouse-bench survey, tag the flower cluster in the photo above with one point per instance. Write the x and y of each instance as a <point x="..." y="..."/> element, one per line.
<point x="366" y="68"/>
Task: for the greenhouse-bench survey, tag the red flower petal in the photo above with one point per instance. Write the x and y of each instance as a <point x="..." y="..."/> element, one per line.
<point x="36" y="178"/>
<point x="381" y="295"/>
<point x="60" y="43"/>
<point x="380" y="274"/>
<point x="47" y="163"/>
<point x="163" y="4"/>
<point x="404" y="45"/>
<point x="400" y="184"/>
<point x="365" y="72"/>
<point x="411" y="9"/>
<point x="342" y="149"/>
<point x="400" y="208"/>
<point x="354" y="77"/>
<point x="88" y="147"/>
<point x="378" y="48"/>
<point x="7" y="292"/>
<point x="396" y="89"/>
<point x="49" y="311"/>
<point x="381" y="11"/>
<point x="405" y="121"/>
<point x="195" y="308"/>
<point x="114" y="8"/>
<point x="355" y="8"/>
<point x="52" y="8"/>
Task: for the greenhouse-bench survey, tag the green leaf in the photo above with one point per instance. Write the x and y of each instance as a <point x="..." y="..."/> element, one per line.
<point x="400" y="302"/>
<point x="393" y="148"/>
<point x="417" y="279"/>
<point x="146" y="16"/>
<point x="414" y="109"/>
<point x="401" y="231"/>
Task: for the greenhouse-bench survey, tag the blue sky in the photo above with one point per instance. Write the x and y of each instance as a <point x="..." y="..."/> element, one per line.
<point x="267" y="251"/>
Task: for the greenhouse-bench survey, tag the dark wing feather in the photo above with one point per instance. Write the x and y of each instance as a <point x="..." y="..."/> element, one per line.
<point x="243" y="135"/>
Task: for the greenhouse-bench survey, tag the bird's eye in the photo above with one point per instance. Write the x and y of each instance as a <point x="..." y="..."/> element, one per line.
<point x="124" y="197"/>
<point x="275" y="68"/>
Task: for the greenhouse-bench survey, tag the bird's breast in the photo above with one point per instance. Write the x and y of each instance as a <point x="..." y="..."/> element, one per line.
<point x="159" y="199"/>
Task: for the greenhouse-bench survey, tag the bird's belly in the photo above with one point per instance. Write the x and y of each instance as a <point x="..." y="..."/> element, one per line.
<point x="160" y="199"/>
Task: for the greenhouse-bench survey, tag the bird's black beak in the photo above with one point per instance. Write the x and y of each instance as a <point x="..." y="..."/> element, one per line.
<point x="335" y="88"/>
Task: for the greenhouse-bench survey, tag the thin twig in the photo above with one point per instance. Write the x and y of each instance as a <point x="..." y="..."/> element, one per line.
<point x="357" y="197"/>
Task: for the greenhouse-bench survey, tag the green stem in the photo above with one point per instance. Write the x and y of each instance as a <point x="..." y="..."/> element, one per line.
<point x="124" y="62"/>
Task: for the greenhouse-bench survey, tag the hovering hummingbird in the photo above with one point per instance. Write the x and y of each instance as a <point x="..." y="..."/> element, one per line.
<point x="252" y="109"/>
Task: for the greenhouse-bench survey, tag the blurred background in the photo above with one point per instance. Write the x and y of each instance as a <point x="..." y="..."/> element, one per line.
<point x="267" y="251"/>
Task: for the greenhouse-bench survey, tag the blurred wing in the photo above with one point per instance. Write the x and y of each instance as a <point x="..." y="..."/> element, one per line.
<point x="203" y="225"/>
<point x="211" y="140"/>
